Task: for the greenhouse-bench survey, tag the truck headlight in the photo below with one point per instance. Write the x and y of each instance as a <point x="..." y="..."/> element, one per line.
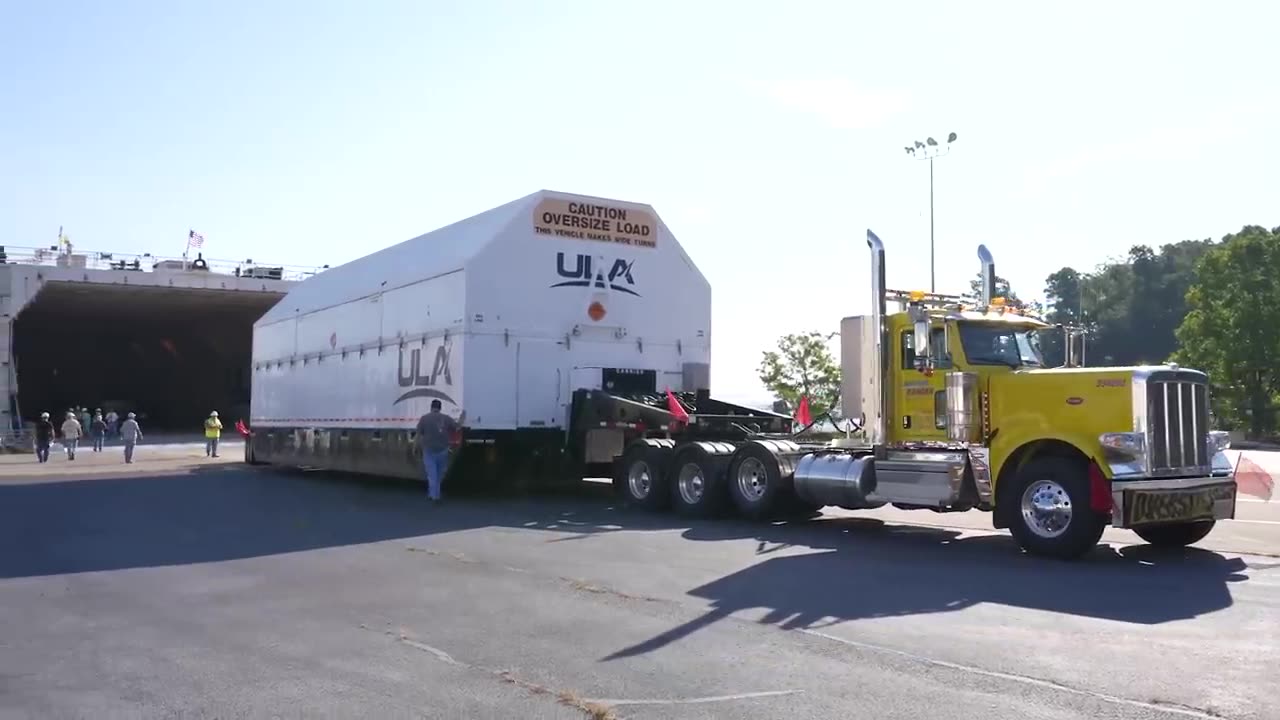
<point x="1123" y="447"/>
<point x="1219" y="440"/>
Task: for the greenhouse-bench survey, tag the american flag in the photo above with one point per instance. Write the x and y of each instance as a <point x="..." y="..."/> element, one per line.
<point x="194" y="239"/>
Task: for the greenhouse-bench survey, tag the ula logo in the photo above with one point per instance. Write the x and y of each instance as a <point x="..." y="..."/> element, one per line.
<point x="422" y="381"/>
<point x="588" y="271"/>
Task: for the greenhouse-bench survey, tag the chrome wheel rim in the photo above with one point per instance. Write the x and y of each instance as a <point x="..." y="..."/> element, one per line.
<point x="692" y="483"/>
<point x="1046" y="509"/>
<point x="752" y="479"/>
<point x="640" y="480"/>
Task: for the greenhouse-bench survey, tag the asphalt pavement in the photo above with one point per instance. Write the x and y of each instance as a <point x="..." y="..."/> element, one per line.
<point x="196" y="588"/>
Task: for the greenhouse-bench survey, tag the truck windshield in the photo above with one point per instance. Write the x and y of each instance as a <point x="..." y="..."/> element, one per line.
<point x="1000" y="344"/>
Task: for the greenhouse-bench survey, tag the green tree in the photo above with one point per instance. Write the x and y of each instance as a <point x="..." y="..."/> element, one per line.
<point x="1232" y="327"/>
<point x="1062" y="298"/>
<point x="1159" y="300"/>
<point x="803" y="366"/>
<point x="1002" y="291"/>
<point x="1132" y="307"/>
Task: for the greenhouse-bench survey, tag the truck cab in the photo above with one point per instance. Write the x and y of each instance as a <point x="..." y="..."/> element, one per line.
<point x="958" y="410"/>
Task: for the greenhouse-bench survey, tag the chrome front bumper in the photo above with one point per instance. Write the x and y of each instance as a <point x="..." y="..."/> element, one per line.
<point x="1156" y="501"/>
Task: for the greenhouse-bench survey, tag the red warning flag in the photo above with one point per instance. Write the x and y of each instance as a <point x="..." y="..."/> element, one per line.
<point x="803" y="417"/>
<point x="1251" y="479"/>
<point x="675" y="408"/>
<point x="242" y="428"/>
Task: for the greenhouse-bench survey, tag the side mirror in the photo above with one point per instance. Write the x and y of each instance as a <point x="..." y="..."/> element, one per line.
<point x="924" y="353"/>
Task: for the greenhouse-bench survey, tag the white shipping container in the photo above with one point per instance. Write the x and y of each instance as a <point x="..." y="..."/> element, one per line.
<point x="525" y="303"/>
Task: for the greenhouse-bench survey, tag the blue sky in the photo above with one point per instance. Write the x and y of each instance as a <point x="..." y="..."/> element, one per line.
<point x="767" y="138"/>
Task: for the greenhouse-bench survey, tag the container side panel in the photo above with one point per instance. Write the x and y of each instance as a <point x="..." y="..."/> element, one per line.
<point x="275" y="341"/>
<point x="542" y="375"/>
<point x="434" y="306"/>
<point x="388" y="388"/>
<point x="342" y="326"/>
<point x="491" y="361"/>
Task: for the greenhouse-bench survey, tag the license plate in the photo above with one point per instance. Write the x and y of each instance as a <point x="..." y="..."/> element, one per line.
<point x="1160" y="506"/>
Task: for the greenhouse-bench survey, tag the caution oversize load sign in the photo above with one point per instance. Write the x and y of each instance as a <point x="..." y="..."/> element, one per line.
<point x="586" y="220"/>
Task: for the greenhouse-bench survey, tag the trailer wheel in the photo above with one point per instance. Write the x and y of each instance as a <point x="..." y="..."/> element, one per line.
<point x="640" y="476"/>
<point x="1052" y="516"/>
<point x="756" y="481"/>
<point x="697" y="478"/>
<point x="1175" y="535"/>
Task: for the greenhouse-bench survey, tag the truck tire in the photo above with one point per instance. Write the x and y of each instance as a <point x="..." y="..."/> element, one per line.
<point x="697" y="478"/>
<point x="640" y="476"/>
<point x="756" y="481"/>
<point x="1051" y="514"/>
<point x="1175" y="535"/>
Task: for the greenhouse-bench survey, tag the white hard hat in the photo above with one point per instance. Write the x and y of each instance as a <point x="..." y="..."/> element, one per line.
<point x="213" y="414"/>
<point x="44" y="414"/>
<point x="132" y="415"/>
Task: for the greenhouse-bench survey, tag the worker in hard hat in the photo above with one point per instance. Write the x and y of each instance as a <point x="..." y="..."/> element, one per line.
<point x="71" y="432"/>
<point x="44" y="437"/>
<point x="212" y="432"/>
<point x="130" y="433"/>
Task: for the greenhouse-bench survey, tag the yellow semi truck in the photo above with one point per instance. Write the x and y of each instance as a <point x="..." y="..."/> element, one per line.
<point x="959" y="412"/>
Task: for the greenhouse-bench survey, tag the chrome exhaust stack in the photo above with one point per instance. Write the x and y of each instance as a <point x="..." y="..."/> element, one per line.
<point x="846" y="479"/>
<point x="988" y="276"/>
<point x="877" y="434"/>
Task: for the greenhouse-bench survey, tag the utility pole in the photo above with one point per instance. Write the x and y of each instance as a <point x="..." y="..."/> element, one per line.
<point x="928" y="150"/>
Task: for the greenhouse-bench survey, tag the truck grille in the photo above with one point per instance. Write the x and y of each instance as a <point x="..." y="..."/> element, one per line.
<point x="1177" y="423"/>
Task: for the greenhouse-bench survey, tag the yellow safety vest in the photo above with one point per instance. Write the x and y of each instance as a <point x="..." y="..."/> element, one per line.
<point x="212" y="428"/>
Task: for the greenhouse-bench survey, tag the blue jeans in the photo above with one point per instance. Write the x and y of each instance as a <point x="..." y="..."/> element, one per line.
<point x="42" y="452"/>
<point x="69" y="444"/>
<point x="99" y="438"/>
<point x="434" y="462"/>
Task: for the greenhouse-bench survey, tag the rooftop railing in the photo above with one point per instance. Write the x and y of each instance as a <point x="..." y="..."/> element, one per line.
<point x="147" y="262"/>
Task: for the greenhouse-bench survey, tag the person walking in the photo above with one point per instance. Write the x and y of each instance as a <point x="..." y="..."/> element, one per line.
<point x="130" y="433"/>
<point x="71" y="433"/>
<point x="85" y="419"/>
<point x="435" y="429"/>
<point x="44" y="437"/>
<point x="212" y="433"/>
<point x="98" y="429"/>
<point x="112" y="419"/>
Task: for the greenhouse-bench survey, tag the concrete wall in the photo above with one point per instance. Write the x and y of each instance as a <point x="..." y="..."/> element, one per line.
<point x="21" y="285"/>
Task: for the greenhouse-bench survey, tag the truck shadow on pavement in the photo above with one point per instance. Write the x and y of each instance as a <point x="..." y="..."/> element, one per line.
<point x="810" y="573"/>
<point x="871" y="569"/>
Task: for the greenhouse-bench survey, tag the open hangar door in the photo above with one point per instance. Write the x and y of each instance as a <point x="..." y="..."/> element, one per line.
<point x="169" y="354"/>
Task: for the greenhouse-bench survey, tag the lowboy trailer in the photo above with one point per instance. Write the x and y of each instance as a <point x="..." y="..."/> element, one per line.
<point x="574" y="320"/>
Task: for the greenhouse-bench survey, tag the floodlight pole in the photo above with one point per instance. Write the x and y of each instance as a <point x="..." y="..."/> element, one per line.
<point x="928" y="150"/>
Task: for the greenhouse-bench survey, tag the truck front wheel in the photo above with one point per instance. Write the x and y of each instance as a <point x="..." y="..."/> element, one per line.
<point x="1052" y="516"/>
<point x="1175" y="535"/>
